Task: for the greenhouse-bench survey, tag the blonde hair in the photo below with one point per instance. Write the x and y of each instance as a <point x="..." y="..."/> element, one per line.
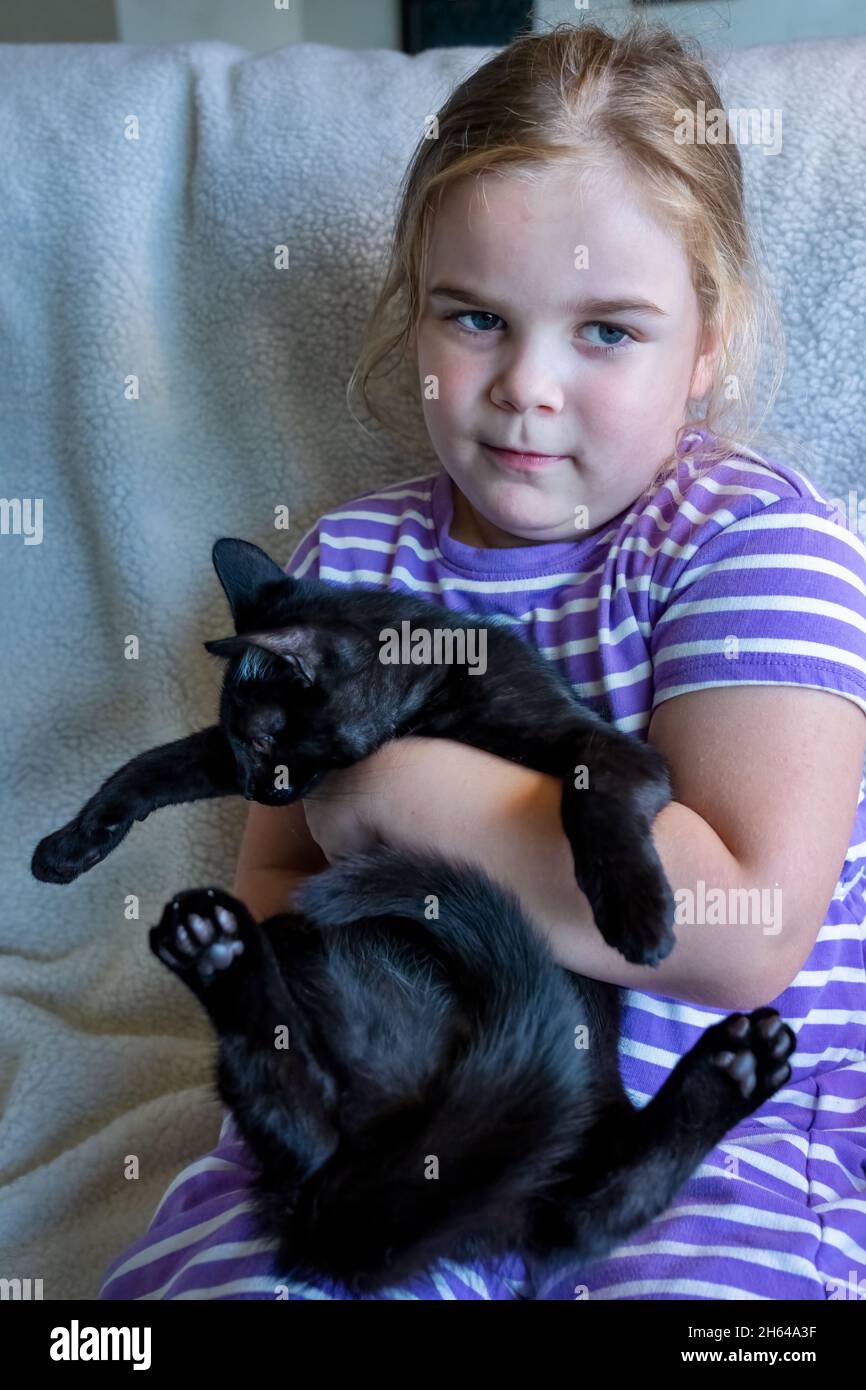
<point x="579" y="97"/>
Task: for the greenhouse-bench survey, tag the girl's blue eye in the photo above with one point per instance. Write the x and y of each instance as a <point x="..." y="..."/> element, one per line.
<point x="607" y="329"/>
<point x="473" y="314"/>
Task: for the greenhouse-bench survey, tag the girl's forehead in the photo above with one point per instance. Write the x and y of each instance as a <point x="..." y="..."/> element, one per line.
<point x="497" y="230"/>
<point x="599" y="175"/>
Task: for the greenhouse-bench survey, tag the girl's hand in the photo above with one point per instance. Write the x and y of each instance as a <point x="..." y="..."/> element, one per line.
<point x="348" y="810"/>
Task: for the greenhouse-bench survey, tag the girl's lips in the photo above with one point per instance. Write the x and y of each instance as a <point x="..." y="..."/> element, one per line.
<point x="525" y="462"/>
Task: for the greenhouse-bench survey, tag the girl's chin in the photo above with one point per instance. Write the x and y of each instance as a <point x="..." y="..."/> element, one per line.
<point x="523" y="502"/>
<point x="521" y="524"/>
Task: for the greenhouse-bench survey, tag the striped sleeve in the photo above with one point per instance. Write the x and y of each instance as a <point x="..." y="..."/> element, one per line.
<point x="304" y="560"/>
<point x="776" y="597"/>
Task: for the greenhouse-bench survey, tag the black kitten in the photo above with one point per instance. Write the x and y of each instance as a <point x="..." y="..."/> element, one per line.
<point x="307" y="690"/>
<point x="414" y="1073"/>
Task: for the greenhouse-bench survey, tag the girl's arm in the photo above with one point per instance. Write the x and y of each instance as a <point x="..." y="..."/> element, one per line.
<point x="277" y="853"/>
<point x="765" y="781"/>
<point x="467" y="804"/>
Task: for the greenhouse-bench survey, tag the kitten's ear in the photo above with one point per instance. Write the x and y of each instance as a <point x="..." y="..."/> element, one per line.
<point x="244" y="570"/>
<point x="298" y="647"/>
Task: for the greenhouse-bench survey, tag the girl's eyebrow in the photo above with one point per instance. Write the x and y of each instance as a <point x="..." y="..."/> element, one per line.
<point x="586" y="306"/>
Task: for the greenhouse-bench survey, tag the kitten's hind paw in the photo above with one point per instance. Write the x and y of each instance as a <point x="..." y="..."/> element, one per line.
<point x="75" y="848"/>
<point x="752" y="1050"/>
<point x="200" y="933"/>
<point x="733" y="1068"/>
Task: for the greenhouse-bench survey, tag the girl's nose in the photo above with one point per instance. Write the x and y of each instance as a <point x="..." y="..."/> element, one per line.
<point x="528" y="384"/>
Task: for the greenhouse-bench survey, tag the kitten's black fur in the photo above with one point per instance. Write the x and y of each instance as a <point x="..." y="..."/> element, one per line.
<point x="435" y="1098"/>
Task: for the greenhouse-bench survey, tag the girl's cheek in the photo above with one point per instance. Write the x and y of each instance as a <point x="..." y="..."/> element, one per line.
<point x="624" y="414"/>
<point x="456" y="381"/>
<point x="609" y="397"/>
<point x="633" y="391"/>
<point x="441" y="371"/>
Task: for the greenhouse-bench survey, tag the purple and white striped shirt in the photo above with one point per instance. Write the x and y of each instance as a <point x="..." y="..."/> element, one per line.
<point x="732" y="572"/>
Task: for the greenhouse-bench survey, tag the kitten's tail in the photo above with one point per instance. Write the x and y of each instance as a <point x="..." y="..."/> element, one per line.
<point x="479" y="924"/>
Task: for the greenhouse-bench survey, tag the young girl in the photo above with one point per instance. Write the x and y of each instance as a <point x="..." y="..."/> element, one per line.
<point x="578" y="290"/>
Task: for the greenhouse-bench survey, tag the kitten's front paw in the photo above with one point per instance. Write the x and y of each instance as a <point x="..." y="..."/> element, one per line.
<point x="76" y="847"/>
<point x="619" y="871"/>
<point x="634" y="913"/>
<point x="200" y="932"/>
